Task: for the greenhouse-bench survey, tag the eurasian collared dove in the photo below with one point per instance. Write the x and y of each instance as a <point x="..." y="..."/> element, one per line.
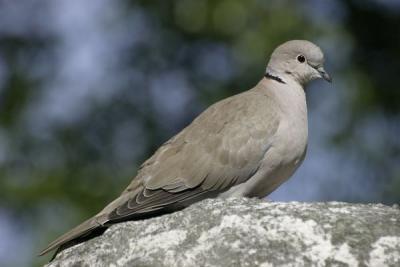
<point x="245" y="145"/>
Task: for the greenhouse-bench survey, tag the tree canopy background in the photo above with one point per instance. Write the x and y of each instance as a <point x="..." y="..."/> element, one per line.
<point x="89" y="89"/>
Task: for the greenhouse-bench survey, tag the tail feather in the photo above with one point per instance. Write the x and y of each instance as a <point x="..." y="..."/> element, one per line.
<point x="79" y="231"/>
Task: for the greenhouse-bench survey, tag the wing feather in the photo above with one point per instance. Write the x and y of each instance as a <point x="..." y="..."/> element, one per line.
<point x="224" y="146"/>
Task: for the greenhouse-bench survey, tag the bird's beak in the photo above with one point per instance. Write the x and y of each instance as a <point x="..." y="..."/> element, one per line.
<point x="324" y="74"/>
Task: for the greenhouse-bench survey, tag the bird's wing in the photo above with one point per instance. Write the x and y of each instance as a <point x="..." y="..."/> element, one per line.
<point x="221" y="148"/>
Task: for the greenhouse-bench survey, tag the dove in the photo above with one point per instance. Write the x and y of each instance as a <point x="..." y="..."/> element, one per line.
<point x="243" y="146"/>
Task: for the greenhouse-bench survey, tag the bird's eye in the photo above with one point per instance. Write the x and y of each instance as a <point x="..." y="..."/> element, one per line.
<point x="301" y="58"/>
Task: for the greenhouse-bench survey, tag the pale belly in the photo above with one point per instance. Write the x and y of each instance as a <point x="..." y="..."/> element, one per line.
<point x="279" y="164"/>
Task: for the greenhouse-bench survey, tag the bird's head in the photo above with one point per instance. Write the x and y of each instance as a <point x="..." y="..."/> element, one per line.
<point x="299" y="60"/>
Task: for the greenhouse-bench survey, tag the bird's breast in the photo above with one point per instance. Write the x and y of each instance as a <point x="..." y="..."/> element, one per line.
<point x="292" y="134"/>
<point x="288" y="148"/>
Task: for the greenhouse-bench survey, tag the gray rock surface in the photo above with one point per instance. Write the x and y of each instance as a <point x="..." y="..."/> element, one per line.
<point x="249" y="232"/>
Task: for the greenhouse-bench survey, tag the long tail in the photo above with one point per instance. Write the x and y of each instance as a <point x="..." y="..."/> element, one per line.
<point x="78" y="232"/>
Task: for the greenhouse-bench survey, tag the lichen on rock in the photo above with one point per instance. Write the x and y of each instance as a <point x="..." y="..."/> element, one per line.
<point x="249" y="232"/>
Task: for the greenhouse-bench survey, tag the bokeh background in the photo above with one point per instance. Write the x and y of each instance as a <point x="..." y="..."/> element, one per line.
<point x="89" y="89"/>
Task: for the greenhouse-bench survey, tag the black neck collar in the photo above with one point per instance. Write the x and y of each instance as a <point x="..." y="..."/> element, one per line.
<point x="272" y="77"/>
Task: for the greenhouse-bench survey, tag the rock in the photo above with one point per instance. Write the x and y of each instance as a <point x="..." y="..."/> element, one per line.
<point x="249" y="232"/>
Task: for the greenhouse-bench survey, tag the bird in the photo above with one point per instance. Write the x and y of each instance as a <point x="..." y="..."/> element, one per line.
<point x="245" y="145"/>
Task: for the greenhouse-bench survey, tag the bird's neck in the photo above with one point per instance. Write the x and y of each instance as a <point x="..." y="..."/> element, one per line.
<point x="274" y="77"/>
<point x="284" y="77"/>
<point x="290" y="95"/>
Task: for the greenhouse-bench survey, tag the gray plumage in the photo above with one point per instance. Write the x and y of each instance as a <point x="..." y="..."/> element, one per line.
<point x="245" y="145"/>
